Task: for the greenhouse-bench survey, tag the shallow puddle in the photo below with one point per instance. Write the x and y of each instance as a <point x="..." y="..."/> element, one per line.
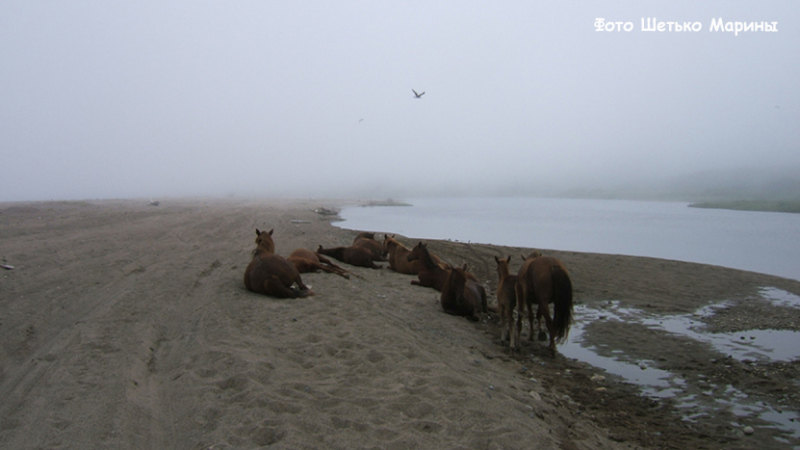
<point x="750" y="345"/>
<point x="780" y="297"/>
<point x="654" y="382"/>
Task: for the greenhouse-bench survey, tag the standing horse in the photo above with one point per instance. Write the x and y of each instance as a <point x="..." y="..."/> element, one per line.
<point x="433" y="273"/>
<point x="461" y="295"/>
<point x="398" y="257"/>
<point x="543" y="280"/>
<point x="506" y="302"/>
<point x="270" y="274"/>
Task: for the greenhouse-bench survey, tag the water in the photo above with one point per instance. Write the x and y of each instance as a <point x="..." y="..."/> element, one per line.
<point x="755" y="241"/>
<point x="759" y="345"/>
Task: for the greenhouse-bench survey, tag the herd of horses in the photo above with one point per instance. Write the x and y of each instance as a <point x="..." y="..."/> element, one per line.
<point x="540" y="281"/>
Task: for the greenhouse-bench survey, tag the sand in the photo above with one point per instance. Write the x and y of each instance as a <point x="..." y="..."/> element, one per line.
<point x="126" y="325"/>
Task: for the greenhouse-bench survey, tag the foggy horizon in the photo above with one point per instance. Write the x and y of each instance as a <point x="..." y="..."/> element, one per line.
<point x="274" y="99"/>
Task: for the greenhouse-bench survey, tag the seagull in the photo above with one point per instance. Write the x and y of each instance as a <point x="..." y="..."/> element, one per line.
<point x="418" y="94"/>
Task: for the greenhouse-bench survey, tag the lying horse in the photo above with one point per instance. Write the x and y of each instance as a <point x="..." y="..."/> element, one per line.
<point x="506" y="302"/>
<point x="433" y="273"/>
<point x="355" y="256"/>
<point x="270" y="274"/>
<point x="305" y="261"/>
<point x="367" y="241"/>
<point x="543" y="280"/>
<point x="461" y="295"/>
<point x="398" y="257"/>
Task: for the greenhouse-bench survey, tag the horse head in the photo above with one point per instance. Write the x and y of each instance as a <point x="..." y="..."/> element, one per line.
<point x="264" y="242"/>
<point x="502" y="266"/>
<point x="389" y="242"/>
<point x="460" y="274"/>
<point x="418" y="252"/>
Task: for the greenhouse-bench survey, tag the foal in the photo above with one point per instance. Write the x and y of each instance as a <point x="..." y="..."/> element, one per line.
<point x="506" y="302"/>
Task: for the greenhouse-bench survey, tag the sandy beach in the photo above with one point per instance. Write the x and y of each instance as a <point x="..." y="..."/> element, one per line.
<point x="126" y="325"/>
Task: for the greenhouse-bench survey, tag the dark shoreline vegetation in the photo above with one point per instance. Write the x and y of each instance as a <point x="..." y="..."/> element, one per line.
<point x="387" y="202"/>
<point x="787" y="206"/>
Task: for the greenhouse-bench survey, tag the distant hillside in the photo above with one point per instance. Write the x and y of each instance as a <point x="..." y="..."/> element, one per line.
<point x="751" y="189"/>
<point x="764" y="185"/>
<point x="753" y="205"/>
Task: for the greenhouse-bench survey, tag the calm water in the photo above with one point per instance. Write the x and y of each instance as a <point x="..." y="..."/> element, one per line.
<point x="756" y="241"/>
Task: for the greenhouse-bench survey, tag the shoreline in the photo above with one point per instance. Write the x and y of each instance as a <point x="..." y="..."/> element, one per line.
<point x="719" y="254"/>
<point x="126" y="324"/>
<point x="777" y="206"/>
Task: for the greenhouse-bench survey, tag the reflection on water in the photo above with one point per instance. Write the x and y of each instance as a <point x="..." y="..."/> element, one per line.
<point x="759" y="345"/>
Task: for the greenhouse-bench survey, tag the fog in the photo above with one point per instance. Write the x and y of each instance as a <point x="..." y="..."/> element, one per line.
<point x="183" y="98"/>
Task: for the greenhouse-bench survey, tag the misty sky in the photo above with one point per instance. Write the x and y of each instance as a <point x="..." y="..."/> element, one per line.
<point x="106" y="99"/>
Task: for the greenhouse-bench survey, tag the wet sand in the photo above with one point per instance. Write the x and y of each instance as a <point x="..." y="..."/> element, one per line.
<point x="127" y="325"/>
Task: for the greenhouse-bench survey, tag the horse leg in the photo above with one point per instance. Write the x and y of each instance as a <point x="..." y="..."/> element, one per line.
<point x="330" y="267"/>
<point x="518" y="331"/>
<point x="274" y="286"/>
<point x="522" y="301"/>
<point x="511" y="328"/>
<point x="334" y="269"/>
<point x="530" y="319"/>
<point x="551" y="328"/>
<point x="503" y="307"/>
<point x="304" y="290"/>
<point x="539" y="313"/>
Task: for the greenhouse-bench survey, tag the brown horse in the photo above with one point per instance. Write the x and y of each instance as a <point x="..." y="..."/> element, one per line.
<point x="398" y="257"/>
<point x="433" y="273"/>
<point x="367" y="241"/>
<point x="542" y="336"/>
<point x="507" y="302"/>
<point x="461" y="295"/>
<point x="305" y="261"/>
<point x="270" y="274"/>
<point x="355" y="256"/>
<point x="543" y="280"/>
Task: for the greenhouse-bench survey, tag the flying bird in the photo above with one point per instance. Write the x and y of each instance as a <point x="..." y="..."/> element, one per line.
<point x="418" y="94"/>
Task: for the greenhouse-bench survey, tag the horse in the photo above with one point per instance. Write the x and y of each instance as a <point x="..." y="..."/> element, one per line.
<point x="367" y="241"/>
<point x="271" y="274"/>
<point x="543" y="280"/>
<point x="305" y="261"/>
<point x="398" y="257"/>
<point x="355" y="256"/>
<point x="506" y="302"/>
<point x="542" y="336"/>
<point x="433" y="273"/>
<point x="461" y="295"/>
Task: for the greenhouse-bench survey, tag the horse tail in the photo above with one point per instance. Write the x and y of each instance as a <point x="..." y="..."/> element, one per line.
<point x="562" y="302"/>
<point x="484" y="303"/>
